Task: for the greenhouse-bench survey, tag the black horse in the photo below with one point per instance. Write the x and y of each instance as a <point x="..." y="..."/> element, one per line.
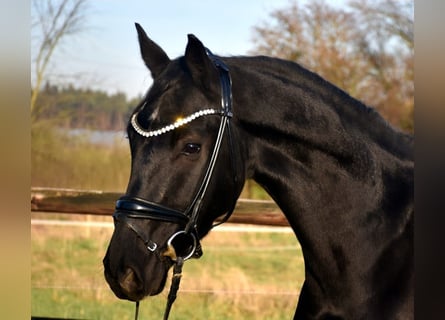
<point x="342" y="176"/>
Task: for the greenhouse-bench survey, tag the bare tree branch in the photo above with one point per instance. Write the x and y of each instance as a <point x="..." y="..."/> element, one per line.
<point x="365" y="48"/>
<point x="56" y="20"/>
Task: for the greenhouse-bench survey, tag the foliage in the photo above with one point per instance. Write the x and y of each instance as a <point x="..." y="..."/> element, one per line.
<point x="365" y="48"/>
<point x="71" y="107"/>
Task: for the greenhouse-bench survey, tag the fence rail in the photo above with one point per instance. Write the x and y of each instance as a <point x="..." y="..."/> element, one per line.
<point x="258" y="212"/>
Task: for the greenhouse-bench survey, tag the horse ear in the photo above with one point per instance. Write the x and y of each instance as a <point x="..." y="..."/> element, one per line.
<point x="201" y="67"/>
<point x="154" y="57"/>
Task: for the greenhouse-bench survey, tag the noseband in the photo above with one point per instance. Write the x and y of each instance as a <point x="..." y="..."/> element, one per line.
<point x="129" y="209"/>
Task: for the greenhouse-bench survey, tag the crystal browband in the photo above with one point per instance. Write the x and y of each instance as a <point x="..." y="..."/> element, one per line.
<point x="170" y="127"/>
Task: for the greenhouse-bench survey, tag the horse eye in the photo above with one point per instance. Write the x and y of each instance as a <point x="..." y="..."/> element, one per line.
<point x="191" y="148"/>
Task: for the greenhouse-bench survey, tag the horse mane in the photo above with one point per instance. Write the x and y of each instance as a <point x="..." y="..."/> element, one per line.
<point x="356" y="116"/>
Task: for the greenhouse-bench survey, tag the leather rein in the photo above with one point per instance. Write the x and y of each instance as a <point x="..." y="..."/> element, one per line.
<point x="130" y="208"/>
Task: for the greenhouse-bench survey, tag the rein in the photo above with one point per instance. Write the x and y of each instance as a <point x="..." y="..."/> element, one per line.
<point x="128" y="208"/>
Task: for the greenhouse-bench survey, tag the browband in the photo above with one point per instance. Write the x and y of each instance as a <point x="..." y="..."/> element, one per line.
<point x="178" y="123"/>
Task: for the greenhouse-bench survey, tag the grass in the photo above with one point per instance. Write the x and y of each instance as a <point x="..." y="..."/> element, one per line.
<point x="240" y="276"/>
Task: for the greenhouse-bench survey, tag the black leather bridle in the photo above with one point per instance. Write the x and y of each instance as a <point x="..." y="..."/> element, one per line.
<point x="129" y="209"/>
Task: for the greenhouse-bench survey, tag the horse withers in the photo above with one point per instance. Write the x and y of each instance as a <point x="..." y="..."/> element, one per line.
<point x="342" y="176"/>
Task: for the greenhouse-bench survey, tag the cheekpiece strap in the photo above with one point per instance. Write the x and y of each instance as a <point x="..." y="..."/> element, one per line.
<point x="226" y="84"/>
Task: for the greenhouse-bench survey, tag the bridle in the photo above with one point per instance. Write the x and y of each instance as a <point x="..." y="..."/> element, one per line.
<point x="130" y="208"/>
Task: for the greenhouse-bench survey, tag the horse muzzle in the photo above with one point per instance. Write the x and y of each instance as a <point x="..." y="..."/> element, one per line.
<point x="131" y="279"/>
<point x="134" y="271"/>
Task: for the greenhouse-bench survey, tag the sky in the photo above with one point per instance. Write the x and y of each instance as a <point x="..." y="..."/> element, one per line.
<point x="105" y="55"/>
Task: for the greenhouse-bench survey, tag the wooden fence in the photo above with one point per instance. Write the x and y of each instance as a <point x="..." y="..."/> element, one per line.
<point x="259" y="212"/>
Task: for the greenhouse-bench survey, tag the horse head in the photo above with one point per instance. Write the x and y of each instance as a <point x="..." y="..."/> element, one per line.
<point x="186" y="169"/>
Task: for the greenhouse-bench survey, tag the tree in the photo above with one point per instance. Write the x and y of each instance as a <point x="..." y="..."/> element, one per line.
<point x="52" y="21"/>
<point x="387" y="43"/>
<point x="365" y="48"/>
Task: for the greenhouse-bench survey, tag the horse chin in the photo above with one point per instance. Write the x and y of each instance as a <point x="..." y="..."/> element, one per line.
<point x="129" y="287"/>
<point x="130" y="283"/>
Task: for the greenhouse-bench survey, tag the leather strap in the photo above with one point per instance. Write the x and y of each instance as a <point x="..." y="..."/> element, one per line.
<point x="134" y="207"/>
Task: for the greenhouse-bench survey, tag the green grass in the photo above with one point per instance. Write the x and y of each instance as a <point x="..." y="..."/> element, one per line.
<point x="240" y="276"/>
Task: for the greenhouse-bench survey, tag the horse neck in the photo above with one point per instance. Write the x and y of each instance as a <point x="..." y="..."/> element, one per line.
<point x="283" y="97"/>
<point x="322" y="156"/>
